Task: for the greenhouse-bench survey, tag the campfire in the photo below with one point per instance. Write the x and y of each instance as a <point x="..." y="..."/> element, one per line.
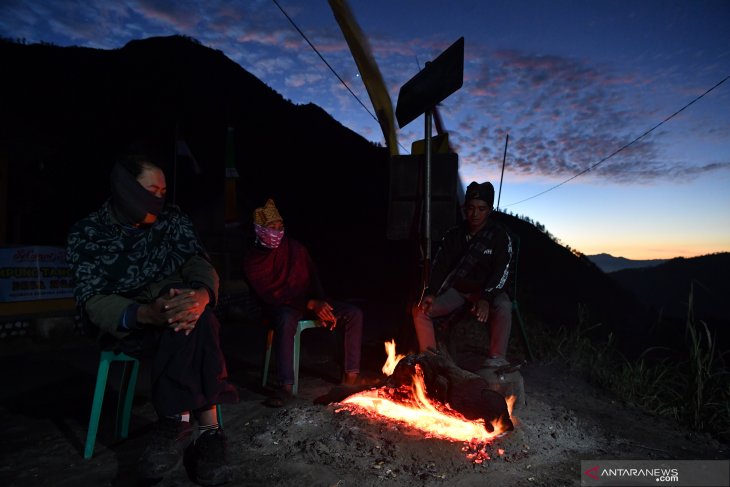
<point x="432" y="394"/>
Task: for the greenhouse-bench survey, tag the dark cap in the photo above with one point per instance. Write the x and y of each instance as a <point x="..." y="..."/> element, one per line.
<point x="483" y="191"/>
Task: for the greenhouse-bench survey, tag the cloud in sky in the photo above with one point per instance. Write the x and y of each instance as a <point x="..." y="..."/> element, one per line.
<point x="563" y="113"/>
<point x="571" y="82"/>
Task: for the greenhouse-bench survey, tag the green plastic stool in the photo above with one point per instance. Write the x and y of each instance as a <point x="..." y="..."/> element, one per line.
<point x="126" y="395"/>
<point x="303" y="325"/>
<point x="515" y="305"/>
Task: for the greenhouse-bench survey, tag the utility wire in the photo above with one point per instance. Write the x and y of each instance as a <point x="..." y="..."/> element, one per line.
<point x="624" y="146"/>
<point x="328" y="65"/>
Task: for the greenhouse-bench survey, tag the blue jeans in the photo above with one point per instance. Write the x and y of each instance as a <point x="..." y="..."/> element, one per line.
<point x="285" y="320"/>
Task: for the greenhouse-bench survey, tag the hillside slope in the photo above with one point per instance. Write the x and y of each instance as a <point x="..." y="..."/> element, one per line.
<point x="66" y="111"/>
<point x="563" y="289"/>
<point x="666" y="288"/>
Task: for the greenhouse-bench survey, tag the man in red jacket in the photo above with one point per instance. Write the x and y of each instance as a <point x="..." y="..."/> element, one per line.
<point x="282" y="274"/>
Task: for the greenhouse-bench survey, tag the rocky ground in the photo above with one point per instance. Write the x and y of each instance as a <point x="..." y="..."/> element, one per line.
<point x="46" y="395"/>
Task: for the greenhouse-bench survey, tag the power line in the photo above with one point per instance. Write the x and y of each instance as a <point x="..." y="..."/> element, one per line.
<point x="328" y="65"/>
<point x="624" y="146"/>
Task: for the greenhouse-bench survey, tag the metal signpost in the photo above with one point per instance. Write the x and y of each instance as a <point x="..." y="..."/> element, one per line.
<point x="439" y="79"/>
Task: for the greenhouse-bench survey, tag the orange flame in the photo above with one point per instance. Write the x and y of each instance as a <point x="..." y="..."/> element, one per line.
<point x="510" y="403"/>
<point x="392" y="359"/>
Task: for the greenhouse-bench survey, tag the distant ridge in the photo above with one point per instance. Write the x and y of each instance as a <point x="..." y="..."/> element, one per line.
<point x="609" y="263"/>
<point x="666" y="287"/>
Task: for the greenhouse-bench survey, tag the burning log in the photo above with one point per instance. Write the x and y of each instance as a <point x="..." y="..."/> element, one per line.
<point x="465" y="392"/>
<point x="446" y="382"/>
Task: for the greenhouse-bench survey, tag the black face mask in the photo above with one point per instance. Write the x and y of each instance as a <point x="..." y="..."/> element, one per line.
<point x="130" y="199"/>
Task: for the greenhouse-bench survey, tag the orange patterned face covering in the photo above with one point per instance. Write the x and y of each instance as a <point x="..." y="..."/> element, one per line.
<point x="268" y="237"/>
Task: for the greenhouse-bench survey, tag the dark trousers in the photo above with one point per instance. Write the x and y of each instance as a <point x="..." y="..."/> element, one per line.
<point x="285" y="320"/>
<point x="500" y="320"/>
<point x="188" y="371"/>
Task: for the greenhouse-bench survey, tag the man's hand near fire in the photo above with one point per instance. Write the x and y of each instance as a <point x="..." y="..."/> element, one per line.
<point x="426" y="303"/>
<point x="323" y="310"/>
<point x="480" y="309"/>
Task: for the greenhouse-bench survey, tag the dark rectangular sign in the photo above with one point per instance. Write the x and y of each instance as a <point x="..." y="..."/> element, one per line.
<point x="434" y="83"/>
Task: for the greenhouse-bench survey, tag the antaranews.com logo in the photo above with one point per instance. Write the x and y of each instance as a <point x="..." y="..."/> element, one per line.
<point x="696" y="473"/>
<point x="659" y="474"/>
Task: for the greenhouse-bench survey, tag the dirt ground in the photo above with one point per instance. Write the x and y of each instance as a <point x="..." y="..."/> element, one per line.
<point x="46" y="396"/>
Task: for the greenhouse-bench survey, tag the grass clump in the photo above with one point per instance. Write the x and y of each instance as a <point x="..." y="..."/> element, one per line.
<point x="691" y="386"/>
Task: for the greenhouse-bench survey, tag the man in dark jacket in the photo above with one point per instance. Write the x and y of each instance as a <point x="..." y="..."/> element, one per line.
<point x="471" y="266"/>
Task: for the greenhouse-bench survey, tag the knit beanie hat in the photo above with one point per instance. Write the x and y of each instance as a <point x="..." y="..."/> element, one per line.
<point x="267" y="214"/>
<point x="483" y="191"/>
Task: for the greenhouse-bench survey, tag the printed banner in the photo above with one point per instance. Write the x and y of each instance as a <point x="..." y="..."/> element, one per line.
<point x="34" y="273"/>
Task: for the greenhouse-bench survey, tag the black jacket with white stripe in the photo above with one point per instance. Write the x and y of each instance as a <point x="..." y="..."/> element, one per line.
<point x="478" y="266"/>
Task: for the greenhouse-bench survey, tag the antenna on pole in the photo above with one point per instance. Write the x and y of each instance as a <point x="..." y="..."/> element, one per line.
<point x="504" y="158"/>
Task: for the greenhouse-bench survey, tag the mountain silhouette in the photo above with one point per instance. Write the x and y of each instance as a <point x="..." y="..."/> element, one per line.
<point x="666" y="288"/>
<point x="67" y="111"/>
<point x="609" y="263"/>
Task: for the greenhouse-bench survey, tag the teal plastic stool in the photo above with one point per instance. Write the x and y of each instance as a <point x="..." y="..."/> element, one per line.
<point x="126" y="396"/>
<point x="303" y="325"/>
<point x="515" y="305"/>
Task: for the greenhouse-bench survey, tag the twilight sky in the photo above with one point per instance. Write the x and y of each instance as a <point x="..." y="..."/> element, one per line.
<point x="570" y="81"/>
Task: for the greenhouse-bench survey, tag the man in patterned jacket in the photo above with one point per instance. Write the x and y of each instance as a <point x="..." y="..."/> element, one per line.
<point x="472" y="266"/>
<point x="145" y="287"/>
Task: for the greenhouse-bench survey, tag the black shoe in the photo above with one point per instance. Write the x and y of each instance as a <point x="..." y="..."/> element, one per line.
<point x="165" y="451"/>
<point x="211" y="463"/>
